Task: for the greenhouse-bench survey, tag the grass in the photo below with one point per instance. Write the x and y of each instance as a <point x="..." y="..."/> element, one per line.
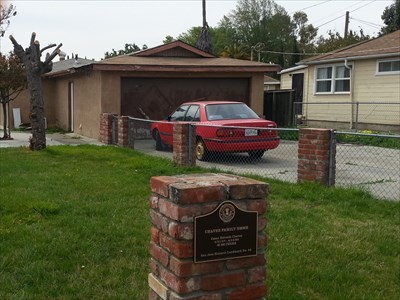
<point x="369" y="140"/>
<point x="74" y="224"/>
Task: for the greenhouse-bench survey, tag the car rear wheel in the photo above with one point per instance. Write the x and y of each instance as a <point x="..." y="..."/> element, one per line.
<point x="257" y="154"/>
<point x="159" y="143"/>
<point x="201" y="150"/>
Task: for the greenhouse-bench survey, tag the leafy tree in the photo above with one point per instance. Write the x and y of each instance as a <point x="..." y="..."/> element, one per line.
<point x="335" y="41"/>
<point x="237" y="51"/>
<point x="391" y="18"/>
<point x="129" y="48"/>
<point x="35" y="68"/>
<point x="168" y="39"/>
<point x="12" y="82"/>
<point x="6" y="12"/>
<point x="305" y="33"/>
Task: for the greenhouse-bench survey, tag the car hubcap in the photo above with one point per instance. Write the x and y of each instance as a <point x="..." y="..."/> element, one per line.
<point x="200" y="150"/>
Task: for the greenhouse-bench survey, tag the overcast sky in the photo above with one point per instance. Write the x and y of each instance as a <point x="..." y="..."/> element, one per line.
<point x="92" y="27"/>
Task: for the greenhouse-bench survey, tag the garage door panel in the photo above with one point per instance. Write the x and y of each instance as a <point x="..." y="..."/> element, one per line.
<point x="157" y="97"/>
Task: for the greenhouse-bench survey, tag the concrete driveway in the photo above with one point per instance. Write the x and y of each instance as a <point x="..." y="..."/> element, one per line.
<point x="371" y="168"/>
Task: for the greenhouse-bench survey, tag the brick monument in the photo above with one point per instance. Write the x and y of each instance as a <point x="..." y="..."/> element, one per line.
<point x="207" y="237"/>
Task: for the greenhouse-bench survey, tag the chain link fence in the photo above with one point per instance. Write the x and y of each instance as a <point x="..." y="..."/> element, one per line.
<point x="372" y="168"/>
<point x="367" y="161"/>
<point x="377" y="116"/>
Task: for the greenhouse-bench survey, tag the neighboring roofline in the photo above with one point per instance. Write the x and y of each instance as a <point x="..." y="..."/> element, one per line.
<point x="174" y="44"/>
<point x="352" y="58"/>
<point x="292" y="69"/>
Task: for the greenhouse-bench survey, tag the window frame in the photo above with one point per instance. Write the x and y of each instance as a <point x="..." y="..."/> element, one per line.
<point x="333" y="79"/>
<point x="383" y="73"/>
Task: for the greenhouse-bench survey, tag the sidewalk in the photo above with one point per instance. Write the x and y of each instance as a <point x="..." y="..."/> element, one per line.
<point x="21" y="139"/>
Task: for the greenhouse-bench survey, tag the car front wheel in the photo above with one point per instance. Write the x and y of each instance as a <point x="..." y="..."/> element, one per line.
<point x="201" y="150"/>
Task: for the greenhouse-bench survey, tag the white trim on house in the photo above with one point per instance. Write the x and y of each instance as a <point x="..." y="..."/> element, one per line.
<point x="293" y="69"/>
<point x="333" y="79"/>
<point x="383" y="73"/>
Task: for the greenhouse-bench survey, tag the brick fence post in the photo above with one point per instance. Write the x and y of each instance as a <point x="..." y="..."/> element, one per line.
<point x="316" y="156"/>
<point x="174" y="205"/>
<point x="184" y="145"/>
<point x="106" y="128"/>
<point x="123" y="131"/>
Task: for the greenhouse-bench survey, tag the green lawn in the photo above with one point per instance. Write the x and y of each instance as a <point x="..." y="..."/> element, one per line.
<point x="74" y="224"/>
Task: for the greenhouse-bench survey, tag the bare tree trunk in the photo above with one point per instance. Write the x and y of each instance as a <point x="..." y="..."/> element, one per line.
<point x="204" y="41"/>
<point x="35" y="68"/>
<point x="5" y="120"/>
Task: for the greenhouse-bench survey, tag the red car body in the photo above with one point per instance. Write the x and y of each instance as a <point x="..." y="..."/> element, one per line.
<point x="221" y="126"/>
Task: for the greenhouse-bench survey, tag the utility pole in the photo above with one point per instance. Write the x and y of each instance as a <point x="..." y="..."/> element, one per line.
<point x="346" y="24"/>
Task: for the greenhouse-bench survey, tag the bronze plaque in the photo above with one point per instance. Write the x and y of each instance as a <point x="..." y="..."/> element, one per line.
<point x="225" y="233"/>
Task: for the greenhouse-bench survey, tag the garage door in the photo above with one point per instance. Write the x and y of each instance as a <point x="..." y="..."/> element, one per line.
<point x="157" y="97"/>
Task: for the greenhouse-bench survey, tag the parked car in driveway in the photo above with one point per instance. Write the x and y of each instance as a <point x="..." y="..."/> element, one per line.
<point x="221" y="126"/>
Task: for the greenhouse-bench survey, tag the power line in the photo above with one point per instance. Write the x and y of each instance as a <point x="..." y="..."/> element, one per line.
<point x="367" y="23"/>
<point x="344" y="14"/>
<point x="309" y="6"/>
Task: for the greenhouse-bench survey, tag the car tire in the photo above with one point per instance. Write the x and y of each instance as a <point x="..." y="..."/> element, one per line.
<point x="256" y="154"/>
<point x="201" y="150"/>
<point x="160" y="146"/>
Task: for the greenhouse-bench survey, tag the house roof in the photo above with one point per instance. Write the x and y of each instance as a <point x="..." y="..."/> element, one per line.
<point x="180" y="57"/>
<point x="270" y="80"/>
<point x="384" y="46"/>
<point x="293" y="69"/>
<point x="173" y="57"/>
<point x="63" y="66"/>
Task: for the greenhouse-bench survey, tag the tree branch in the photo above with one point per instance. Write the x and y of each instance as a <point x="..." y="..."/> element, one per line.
<point x="47" y="47"/>
<point x="33" y="36"/>
<point x="52" y="55"/>
<point x="14" y="94"/>
<point x="19" y="51"/>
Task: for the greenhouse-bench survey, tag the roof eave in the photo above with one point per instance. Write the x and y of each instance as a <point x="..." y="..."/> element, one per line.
<point x="340" y="59"/>
<point x="187" y="68"/>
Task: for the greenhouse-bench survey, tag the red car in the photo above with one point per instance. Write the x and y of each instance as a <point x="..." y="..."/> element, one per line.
<point x="221" y="126"/>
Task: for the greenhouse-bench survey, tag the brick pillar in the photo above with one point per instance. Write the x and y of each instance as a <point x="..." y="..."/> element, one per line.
<point x="123" y="131"/>
<point x="184" y="145"/>
<point x="106" y="128"/>
<point x="316" y="156"/>
<point x="175" y="202"/>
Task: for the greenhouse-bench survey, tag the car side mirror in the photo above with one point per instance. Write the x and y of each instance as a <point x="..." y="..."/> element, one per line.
<point x="167" y="118"/>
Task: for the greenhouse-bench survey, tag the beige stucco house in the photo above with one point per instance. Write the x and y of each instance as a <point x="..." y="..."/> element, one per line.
<point x="150" y="83"/>
<point x="353" y="87"/>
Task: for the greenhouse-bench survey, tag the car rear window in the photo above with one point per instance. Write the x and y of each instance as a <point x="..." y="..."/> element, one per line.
<point x="229" y="111"/>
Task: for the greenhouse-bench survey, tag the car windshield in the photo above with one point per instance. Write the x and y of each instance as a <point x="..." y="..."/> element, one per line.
<point x="229" y="111"/>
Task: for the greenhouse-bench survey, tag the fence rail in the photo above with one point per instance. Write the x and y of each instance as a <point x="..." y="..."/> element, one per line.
<point x="352" y="162"/>
<point x="377" y="116"/>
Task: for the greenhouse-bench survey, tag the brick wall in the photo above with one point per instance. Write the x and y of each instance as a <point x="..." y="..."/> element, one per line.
<point x="175" y="202"/>
<point x="106" y="128"/>
<point x="184" y="151"/>
<point x="123" y="131"/>
<point x="316" y="156"/>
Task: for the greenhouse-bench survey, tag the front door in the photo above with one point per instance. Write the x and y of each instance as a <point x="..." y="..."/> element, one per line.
<point x="298" y="86"/>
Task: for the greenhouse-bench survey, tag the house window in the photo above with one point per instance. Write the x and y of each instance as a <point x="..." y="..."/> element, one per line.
<point x="388" y="67"/>
<point x="332" y="79"/>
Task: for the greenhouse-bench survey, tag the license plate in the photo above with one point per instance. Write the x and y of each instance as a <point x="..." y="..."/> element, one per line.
<point x="250" y="132"/>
